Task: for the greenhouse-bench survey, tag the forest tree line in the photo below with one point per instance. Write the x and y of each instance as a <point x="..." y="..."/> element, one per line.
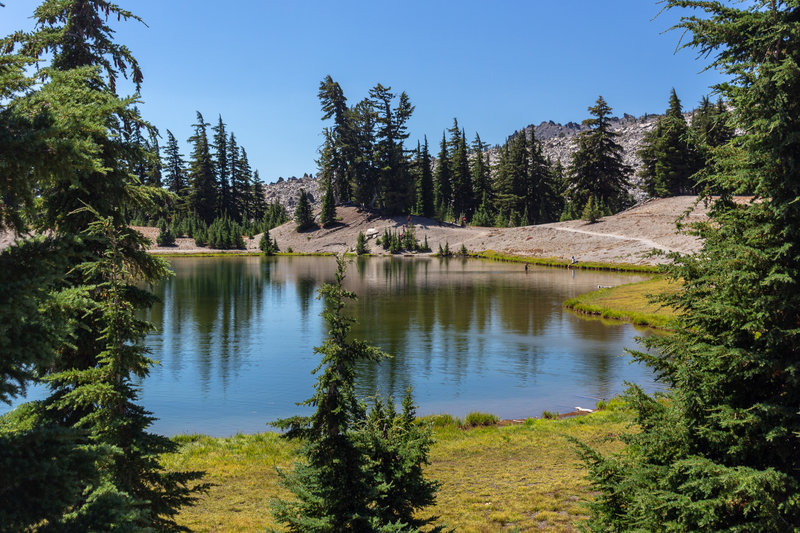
<point x="364" y="160"/>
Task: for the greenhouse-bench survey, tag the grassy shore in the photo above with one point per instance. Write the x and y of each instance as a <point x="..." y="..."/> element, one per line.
<point x="629" y="302"/>
<point x="514" y="477"/>
<point x="560" y="263"/>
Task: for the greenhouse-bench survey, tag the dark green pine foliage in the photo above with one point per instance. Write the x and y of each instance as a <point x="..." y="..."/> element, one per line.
<point x="332" y="489"/>
<point x="394" y="179"/>
<point x="542" y="199"/>
<point x="154" y="167"/>
<point x="597" y="168"/>
<point x="424" y="196"/>
<point x="267" y="244"/>
<point x="174" y="167"/>
<point x="234" y="171"/>
<point x="443" y="185"/>
<point x="106" y="393"/>
<point x="275" y="215"/>
<point x="362" y="471"/>
<point x="92" y="181"/>
<point x="221" y="169"/>
<point x="303" y="216"/>
<point x="241" y="183"/>
<point x="203" y="191"/>
<point x="259" y="198"/>
<point x="340" y="158"/>
<point x="361" y="121"/>
<point x="709" y="130"/>
<point x="327" y="216"/>
<point x="397" y="446"/>
<point x="667" y="155"/>
<point x="463" y="193"/>
<point x="481" y="175"/>
<point x="512" y="179"/>
<point x="720" y="452"/>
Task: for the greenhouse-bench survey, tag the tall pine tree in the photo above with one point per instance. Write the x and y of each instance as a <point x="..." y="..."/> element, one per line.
<point x="720" y="451"/>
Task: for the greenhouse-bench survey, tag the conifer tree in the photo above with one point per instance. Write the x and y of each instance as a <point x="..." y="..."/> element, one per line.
<point x="443" y="184"/>
<point x="328" y="214"/>
<point x="362" y="472"/>
<point x="719" y="453"/>
<point x="221" y="168"/>
<point x="463" y="193"/>
<point x="481" y="173"/>
<point x="302" y="213"/>
<point x="425" y="198"/>
<point x="667" y="155"/>
<point x="241" y="184"/>
<point x="394" y="178"/>
<point x="334" y="105"/>
<point x="234" y="175"/>
<point x="93" y="182"/>
<point x="361" y="121"/>
<point x="597" y="168"/>
<point x="203" y="193"/>
<point x="174" y="167"/>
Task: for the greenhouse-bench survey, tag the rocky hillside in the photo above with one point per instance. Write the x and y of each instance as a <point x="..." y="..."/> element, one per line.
<point x="558" y="142"/>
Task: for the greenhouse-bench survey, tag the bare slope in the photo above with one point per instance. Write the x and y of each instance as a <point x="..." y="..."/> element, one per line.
<point x="623" y="238"/>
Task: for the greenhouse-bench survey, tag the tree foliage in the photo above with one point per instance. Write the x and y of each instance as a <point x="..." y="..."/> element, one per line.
<point x="719" y="452"/>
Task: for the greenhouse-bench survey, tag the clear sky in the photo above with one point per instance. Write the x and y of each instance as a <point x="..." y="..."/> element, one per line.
<point x="496" y="66"/>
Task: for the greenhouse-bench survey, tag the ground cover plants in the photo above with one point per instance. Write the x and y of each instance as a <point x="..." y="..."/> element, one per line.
<point x="492" y="478"/>
<point x="631" y="302"/>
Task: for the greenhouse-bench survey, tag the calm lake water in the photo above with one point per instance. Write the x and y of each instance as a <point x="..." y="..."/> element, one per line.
<point x="236" y="339"/>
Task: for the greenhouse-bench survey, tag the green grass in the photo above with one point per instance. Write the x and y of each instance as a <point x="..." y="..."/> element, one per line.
<point x="629" y="302"/>
<point x="515" y="477"/>
<point x="561" y="263"/>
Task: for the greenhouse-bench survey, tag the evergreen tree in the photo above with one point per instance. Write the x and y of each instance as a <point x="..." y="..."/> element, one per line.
<point x="443" y="184"/>
<point x="302" y="213"/>
<point x="203" y="192"/>
<point x="463" y="194"/>
<point x="362" y="472"/>
<point x="153" y="176"/>
<point x="361" y="244"/>
<point x="221" y="168"/>
<point x="481" y="174"/>
<point x="93" y="183"/>
<point x="327" y="216"/>
<point x="425" y="198"/>
<point x="394" y="178"/>
<point x="666" y="154"/>
<point x="174" y="167"/>
<point x="332" y="489"/>
<point x="241" y="184"/>
<point x="719" y="452"/>
<point x="234" y="175"/>
<point x="597" y="168"/>
<point x="259" y="197"/>
<point x="334" y="105"/>
<point x="361" y="120"/>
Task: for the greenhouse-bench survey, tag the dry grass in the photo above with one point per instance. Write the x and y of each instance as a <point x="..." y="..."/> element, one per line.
<point x="516" y="477"/>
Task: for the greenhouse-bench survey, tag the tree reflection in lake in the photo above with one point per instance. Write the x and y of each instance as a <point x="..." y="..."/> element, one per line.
<point x="237" y="335"/>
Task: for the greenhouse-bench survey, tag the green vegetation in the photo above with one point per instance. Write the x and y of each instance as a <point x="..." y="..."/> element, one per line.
<point x="491" y="477"/>
<point x="303" y="216"/>
<point x="718" y="451"/>
<point x="554" y="262"/>
<point x="631" y="302"/>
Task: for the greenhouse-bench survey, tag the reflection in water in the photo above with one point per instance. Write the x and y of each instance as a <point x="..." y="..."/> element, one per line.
<point x="236" y="338"/>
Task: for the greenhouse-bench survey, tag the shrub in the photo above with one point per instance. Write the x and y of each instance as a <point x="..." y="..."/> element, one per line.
<point x="476" y="419"/>
<point x="361" y="244"/>
<point x="550" y="415"/>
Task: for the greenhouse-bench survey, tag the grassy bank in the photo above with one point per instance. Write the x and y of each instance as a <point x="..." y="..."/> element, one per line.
<point x="516" y="477"/>
<point x="555" y="262"/>
<point x="629" y="302"/>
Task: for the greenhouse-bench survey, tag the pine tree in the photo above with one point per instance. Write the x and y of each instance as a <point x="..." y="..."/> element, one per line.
<point x="234" y="175"/>
<point x="443" y="180"/>
<point x="203" y="189"/>
<point x="394" y="179"/>
<point x="597" y="168"/>
<point x="332" y="489"/>
<point x="719" y="452"/>
<point x="221" y="168"/>
<point x="481" y="174"/>
<point x="174" y="167"/>
<point x="302" y="213"/>
<point x="80" y="83"/>
<point x="463" y="193"/>
<point x="334" y="105"/>
<point x="327" y="216"/>
<point x="667" y="155"/>
<point x="361" y="120"/>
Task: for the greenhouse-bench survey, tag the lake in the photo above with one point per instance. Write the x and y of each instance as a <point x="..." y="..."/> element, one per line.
<point x="236" y="338"/>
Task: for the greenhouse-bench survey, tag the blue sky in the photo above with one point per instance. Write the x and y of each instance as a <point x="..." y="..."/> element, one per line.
<point x="496" y="66"/>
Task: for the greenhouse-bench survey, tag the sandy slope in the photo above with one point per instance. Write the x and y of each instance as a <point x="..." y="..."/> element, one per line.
<point x="623" y="238"/>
